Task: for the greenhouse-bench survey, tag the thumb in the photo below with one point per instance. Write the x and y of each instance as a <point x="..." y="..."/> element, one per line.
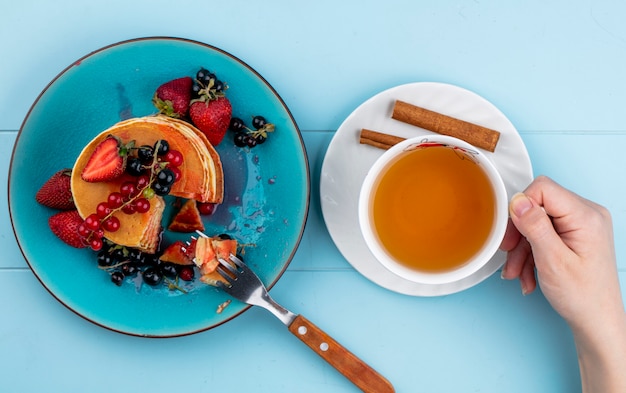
<point x="536" y="226"/>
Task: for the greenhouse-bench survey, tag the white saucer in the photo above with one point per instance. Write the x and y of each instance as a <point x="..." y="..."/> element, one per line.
<point x="347" y="162"/>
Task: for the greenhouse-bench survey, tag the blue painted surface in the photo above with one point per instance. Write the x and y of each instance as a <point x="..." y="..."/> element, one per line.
<point x="556" y="70"/>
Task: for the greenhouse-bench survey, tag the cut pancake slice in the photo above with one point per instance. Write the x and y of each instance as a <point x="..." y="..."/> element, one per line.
<point x="201" y="177"/>
<point x="187" y="219"/>
<point x="178" y="253"/>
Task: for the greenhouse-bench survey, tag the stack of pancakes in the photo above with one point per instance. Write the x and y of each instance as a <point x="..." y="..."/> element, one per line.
<point x="202" y="177"/>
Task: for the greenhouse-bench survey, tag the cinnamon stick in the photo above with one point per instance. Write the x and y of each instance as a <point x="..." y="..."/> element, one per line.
<point x="378" y="139"/>
<point x="474" y="134"/>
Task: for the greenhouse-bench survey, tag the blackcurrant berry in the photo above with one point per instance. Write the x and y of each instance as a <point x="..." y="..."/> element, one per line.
<point x="240" y="139"/>
<point x="161" y="147"/>
<point x="169" y="269"/>
<point x="118" y="255"/>
<point x="260" y="139"/>
<point x="236" y="124"/>
<point x="160" y="189"/>
<point x="195" y="89"/>
<point x="202" y="73"/>
<point x="134" y="167"/>
<point x="258" y="122"/>
<point x="152" y="276"/>
<point x="105" y="258"/>
<point x="165" y="177"/>
<point x="129" y="269"/>
<point x="218" y="85"/>
<point x="151" y="260"/>
<point x="207" y="78"/>
<point x="145" y="154"/>
<point x="117" y="278"/>
<point x="251" y="141"/>
<point x="136" y="256"/>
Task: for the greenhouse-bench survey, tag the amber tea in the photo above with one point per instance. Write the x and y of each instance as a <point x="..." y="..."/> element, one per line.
<point x="433" y="208"/>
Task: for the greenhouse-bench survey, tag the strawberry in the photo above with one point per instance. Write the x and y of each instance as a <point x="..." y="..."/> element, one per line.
<point x="172" y="98"/>
<point x="212" y="117"/>
<point x="65" y="226"/>
<point x="211" y="111"/>
<point x="107" y="161"/>
<point x="56" y="192"/>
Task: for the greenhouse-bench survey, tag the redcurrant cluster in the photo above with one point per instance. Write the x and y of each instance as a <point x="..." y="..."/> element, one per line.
<point x="154" y="170"/>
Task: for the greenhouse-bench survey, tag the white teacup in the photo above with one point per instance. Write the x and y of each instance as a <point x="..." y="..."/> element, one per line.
<point x="444" y="219"/>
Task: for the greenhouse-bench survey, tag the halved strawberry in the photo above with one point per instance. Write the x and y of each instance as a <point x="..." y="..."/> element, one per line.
<point x="65" y="226"/>
<point x="107" y="161"/>
<point x="172" y="98"/>
<point x="56" y="192"/>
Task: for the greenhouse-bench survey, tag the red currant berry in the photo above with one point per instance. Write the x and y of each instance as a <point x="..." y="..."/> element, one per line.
<point x="129" y="208"/>
<point x="111" y="224"/>
<point x="99" y="233"/>
<point x="92" y="222"/>
<point x="177" y="173"/>
<point x="174" y="157"/>
<point x="207" y="208"/>
<point x="186" y="273"/>
<point x="103" y="210"/>
<point x="83" y="231"/>
<point x="142" y="205"/>
<point x="143" y="181"/>
<point x="128" y="189"/>
<point x="115" y="200"/>
<point x="96" y="244"/>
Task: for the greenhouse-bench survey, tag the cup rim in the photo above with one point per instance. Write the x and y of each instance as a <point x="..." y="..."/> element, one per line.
<point x="478" y="260"/>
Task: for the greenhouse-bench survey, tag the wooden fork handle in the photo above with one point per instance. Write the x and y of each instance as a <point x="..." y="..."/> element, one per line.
<point x="353" y="368"/>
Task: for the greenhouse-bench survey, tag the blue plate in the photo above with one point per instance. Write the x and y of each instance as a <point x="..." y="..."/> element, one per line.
<point x="266" y="188"/>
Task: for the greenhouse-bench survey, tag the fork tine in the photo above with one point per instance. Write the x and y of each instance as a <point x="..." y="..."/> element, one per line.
<point x="225" y="275"/>
<point x="201" y="234"/>
<point x="236" y="261"/>
<point x="187" y="243"/>
<point x="221" y="285"/>
<point x="228" y="266"/>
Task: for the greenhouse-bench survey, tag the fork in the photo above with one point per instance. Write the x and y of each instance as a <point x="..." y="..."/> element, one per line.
<point x="243" y="284"/>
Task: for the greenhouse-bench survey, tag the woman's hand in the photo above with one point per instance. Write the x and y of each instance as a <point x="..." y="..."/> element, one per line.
<point x="568" y="240"/>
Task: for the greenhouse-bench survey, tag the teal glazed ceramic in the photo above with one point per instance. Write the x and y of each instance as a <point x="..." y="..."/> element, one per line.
<point x="266" y="188"/>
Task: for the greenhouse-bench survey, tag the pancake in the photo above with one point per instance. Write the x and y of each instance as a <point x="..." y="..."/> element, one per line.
<point x="202" y="177"/>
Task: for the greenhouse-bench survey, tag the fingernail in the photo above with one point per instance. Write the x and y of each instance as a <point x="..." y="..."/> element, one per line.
<point x="520" y="204"/>
<point x="502" y="272"/>
<point x="524" y="289"/>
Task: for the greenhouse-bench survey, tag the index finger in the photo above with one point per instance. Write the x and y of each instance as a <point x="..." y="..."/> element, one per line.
<point x="557" y="201"/>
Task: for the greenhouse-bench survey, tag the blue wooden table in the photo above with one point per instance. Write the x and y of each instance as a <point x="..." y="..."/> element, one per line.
<point x="556" y="69"/>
